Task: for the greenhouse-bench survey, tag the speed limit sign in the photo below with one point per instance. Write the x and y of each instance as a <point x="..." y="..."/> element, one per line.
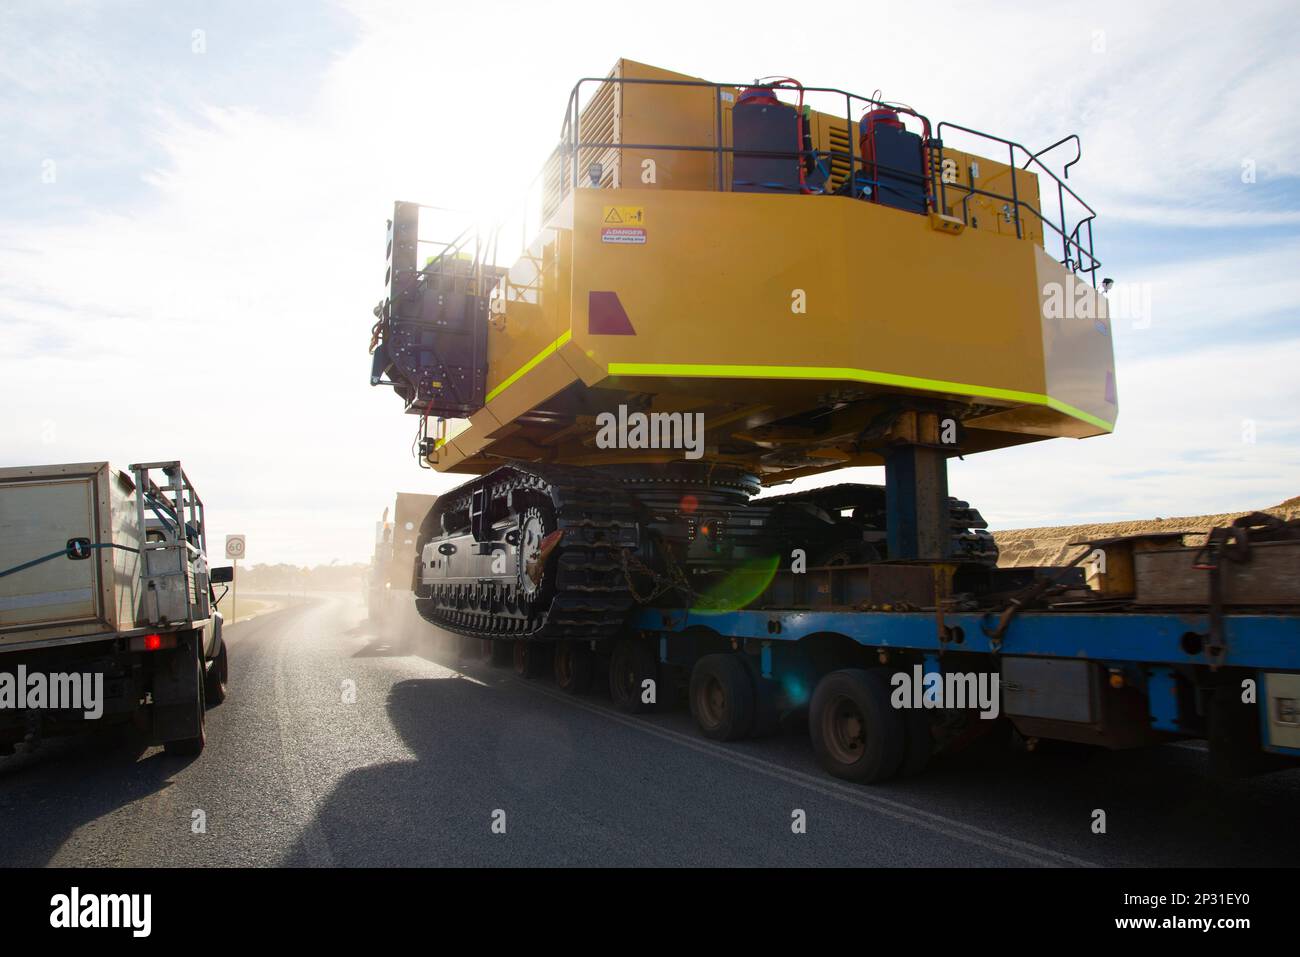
<point x="234" y="546"/>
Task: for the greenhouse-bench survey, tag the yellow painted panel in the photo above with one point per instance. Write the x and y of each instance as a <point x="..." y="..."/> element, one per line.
<point x="1077" y="342"/>
<point x="720" y="274"/>
<point x="669" y="115"/>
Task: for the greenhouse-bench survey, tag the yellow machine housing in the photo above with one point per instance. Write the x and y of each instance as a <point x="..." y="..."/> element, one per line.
<point x="803" y="327"/>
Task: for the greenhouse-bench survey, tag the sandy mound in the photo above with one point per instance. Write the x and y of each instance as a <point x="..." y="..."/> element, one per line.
<point x="1049" y="546"/>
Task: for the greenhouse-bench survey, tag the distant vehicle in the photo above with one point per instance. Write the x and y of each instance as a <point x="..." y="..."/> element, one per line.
<point x="105" y="583"/>
<point x="395" y="565"/>
<point x="375" y="581"/>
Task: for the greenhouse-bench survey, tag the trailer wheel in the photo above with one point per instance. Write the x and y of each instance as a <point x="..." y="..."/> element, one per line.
<point x="503" y="652"/>
<point x="1235" y="746"/>
<point x="632" y="664"/>
<point x="189" y="747"/>
<point x="529" y="659"/>
<point x="575" y="666"/>
<point x="214" y="688"/>
<point x="722" y="698"/>
<point x="856" y="734"/>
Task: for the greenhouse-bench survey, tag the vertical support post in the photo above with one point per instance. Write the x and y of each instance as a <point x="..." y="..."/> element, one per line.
<point x="1015" y="191"/>
<point x="848" y="128"/>
<point x="916" y="503"/>
<point x="717" y="136"/>
<point x="1065" y="239"/>
<point x="234" y="593"/>
<point x="1091" y="258"/>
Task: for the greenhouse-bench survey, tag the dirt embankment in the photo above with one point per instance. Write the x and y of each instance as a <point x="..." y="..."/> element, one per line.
<point x="1050" y="545"/>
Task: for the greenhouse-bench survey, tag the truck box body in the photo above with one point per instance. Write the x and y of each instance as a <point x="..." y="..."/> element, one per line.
<point x="41" y="507"/>
<point x="409" y="513"/>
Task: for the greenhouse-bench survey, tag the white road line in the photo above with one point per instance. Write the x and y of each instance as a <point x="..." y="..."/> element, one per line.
<point x="990" y="840"/>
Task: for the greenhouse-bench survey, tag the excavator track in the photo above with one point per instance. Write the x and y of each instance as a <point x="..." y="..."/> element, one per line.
<point x="971" y="540"/>
<point x="544" y="552"/>
<point x="580" y="589"/>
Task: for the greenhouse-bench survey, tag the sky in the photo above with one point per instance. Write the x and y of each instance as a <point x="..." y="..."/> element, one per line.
<point x="193" y="200"/>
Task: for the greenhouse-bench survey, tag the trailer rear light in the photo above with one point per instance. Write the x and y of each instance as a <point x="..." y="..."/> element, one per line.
<point x="153" y="642"/>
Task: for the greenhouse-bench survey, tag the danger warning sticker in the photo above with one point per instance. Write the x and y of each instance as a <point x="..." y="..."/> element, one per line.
<point x="623" y="216"/>
<point x="623" y="235"/>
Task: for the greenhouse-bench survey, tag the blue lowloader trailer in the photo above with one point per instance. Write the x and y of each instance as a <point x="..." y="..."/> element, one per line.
<point x="1144" y="641"/>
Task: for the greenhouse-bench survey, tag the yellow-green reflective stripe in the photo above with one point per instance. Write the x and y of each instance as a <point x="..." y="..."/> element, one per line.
<point x="527" y="366"/>
<point x="1060" y="406"/>
<point x="852" y="375"/>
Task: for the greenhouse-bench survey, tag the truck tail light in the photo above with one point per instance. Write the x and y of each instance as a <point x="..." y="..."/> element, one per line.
<point x="153" y="642"/>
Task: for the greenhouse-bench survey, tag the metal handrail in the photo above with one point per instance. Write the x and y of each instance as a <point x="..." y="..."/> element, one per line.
<point x="572" y="144"/>
<point x="571" y="147"/>
<point x="1078" y="152"/>
<point x="1069" y="240"/>
<point x="973" y="191"/>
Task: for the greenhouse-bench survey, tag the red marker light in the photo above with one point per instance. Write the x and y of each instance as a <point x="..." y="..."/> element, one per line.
<point x="152" y="642"/>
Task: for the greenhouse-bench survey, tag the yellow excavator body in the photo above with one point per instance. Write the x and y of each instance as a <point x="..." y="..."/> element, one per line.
<point x="805" y="325"/>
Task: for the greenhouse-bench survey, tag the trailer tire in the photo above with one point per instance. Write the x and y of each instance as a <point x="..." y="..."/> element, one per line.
<point x="529" y="658"/>
<point x="574" y="666"/>
<point x="722" y="697"/>
<point x="214" y="688"/>
<point x="1235" y="744"/>
<point x="190" y="747"/>
<point x="856" y="733"/>
<point x="631" y="665"/>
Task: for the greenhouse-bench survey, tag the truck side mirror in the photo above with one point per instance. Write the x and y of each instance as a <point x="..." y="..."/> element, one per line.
<point x="221" y="575"/>
<point x="78" y="549"/>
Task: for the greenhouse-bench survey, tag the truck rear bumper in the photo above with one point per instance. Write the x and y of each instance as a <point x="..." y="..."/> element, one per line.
<point x="98" y="638"/>
<point x="75" y="687"/>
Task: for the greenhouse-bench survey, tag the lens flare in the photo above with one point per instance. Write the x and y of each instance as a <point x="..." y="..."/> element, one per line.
<point x="795" y="690"/>
<point x="740" y="587"/>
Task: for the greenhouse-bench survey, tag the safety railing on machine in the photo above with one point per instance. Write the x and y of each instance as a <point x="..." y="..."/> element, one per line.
<point x="1073" y="250"/>
<point x="577" y="155"/>
<point x="474" y="251"/>
<point x="574" y="147"/>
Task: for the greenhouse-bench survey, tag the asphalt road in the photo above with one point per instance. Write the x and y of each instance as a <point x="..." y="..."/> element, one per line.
<point x="418" y="767"/>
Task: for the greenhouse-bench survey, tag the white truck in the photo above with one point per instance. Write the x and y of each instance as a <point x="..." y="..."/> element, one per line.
<point x="107" y="607"/>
